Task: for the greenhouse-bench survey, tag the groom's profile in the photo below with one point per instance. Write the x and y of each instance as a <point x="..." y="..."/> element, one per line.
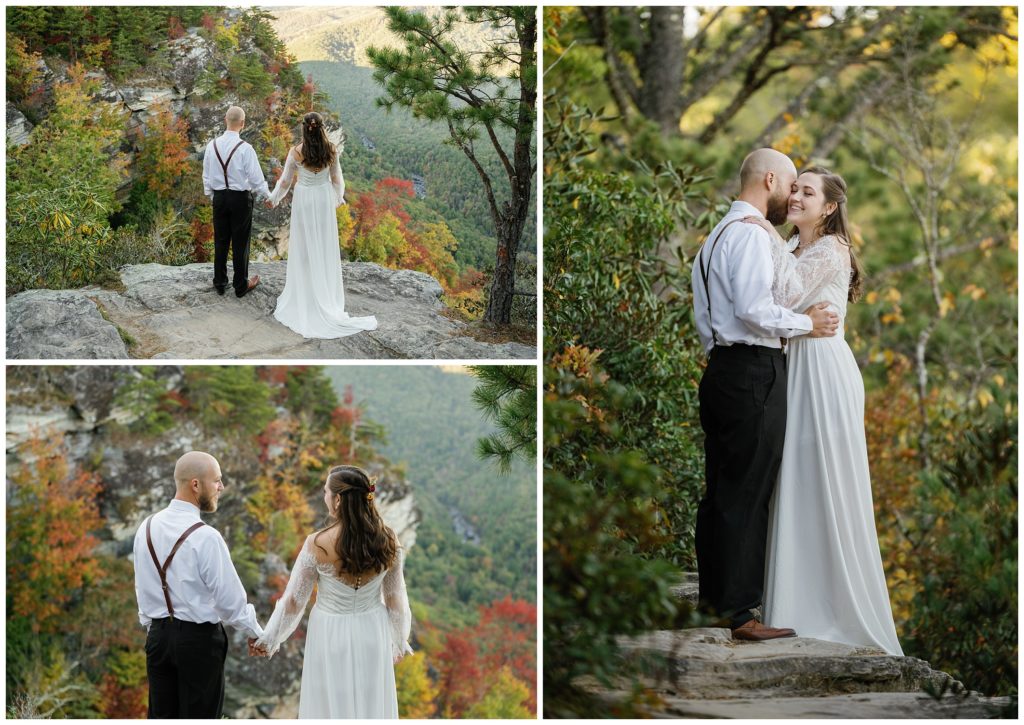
<point x="743" y="393"/>
<point x="231" y="172"/>
<point x="187" y="589"/>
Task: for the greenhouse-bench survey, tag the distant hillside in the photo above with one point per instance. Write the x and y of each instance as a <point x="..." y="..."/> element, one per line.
<point x="344" y="33"/>
<point x="381" y="144"/>
<point x="477" y="539"/>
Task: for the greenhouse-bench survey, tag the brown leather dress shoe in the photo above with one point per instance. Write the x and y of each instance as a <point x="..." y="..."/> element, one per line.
<point x="754" y="631"/>
<point x="253" y="281"/>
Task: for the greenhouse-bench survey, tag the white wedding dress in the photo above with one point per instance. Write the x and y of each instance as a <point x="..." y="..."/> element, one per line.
<point x="313" y="301"/>
<point x="824" y="574"/>
<point x="354" y="637"/>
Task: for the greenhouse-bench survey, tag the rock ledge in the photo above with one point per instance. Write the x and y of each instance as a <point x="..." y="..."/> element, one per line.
<point x="174" y="313"/>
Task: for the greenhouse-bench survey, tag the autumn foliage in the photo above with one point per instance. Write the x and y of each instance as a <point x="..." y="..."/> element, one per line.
<point x="51" y="514"/>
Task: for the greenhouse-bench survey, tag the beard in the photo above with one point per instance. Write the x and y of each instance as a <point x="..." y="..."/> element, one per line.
<point x="207" y="503"/>
<point x="778" y="209"/>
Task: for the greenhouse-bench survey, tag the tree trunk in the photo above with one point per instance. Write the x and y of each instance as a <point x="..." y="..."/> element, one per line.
<point x="509" y="223"/>
<point x="662" y="69"/>
<point x="503" y="285"/>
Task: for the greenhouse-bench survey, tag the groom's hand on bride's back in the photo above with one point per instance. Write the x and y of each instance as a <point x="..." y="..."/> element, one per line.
<point x="825" y="321"/>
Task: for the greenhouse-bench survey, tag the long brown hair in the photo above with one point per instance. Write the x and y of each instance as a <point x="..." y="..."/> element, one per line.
<point x="838" y="224"/>
<point x="364" y="543"/>
<point x="317" y="150"/>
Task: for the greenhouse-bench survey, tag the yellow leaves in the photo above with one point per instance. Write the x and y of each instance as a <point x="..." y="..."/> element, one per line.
<point x="946" y="304"/>
<point x="577" y="359"/>
<point x="985" y="397"/>
<point x="616" y="281"/>
<point x="948" y="40"/>
<point x="871" y="297"/>
<point x="893" y="318"/>
<point x="974" y="292"/>
<point x="893" y="295"/>
<point x="999" y="380"/>
<point x="787" y="117"/>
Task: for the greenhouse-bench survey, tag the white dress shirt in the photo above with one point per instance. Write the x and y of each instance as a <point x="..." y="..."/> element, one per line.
<point x="244" y="172"/>
<point x="203" y="583"/>
<point x="740" y="276"/>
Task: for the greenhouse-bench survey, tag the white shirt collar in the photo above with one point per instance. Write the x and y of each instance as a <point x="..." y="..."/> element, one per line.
<point x="230" y="133"/>
<point x="745" y="208"/>
<point x="184" y="507"/>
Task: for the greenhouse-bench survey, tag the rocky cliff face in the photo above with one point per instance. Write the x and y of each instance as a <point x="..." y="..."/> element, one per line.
<point x="174" y="83"/>
<point x="80" y="404"/>
<point x="174" y="313"/>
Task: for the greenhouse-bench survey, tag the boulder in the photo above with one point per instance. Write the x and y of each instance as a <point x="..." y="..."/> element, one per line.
<point x="18" y="127"/>
<point x="60" y="324"/>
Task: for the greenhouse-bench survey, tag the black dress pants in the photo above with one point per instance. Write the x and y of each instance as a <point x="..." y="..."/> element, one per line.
<point x="185" y="669"/>
<point x="232" y="226"/>
<point x="743" y="414"/>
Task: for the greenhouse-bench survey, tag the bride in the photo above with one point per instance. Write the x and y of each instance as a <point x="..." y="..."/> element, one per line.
<point x="313" y="301"/>
<point x="360" y="624"/>
<point x="824" y="569"/>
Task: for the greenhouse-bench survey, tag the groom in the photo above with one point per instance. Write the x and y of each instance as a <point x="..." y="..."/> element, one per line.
<point x="230" y="172"/>
<point x="743" y="393"/>
<point x="188" y="589"/>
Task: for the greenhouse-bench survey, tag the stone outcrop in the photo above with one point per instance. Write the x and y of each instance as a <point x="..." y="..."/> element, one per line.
<point x="18" y="127"/>
<point x="174" y="313"/>
<point x="52" y="324"/>
<point x="704" y="673"/>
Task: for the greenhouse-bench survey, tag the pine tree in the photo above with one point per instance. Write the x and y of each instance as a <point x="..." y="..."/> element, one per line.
<point x="507" y="394"/>
<point x="488" y="94"/>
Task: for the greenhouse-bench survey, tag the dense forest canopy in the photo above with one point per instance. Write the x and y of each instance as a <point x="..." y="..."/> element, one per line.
<point x="648" y="115"/>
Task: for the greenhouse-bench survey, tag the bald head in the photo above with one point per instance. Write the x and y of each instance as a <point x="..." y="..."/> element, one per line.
<point x="194" y="465"/>
<point x="197" y="479"/>
<point x="762" y="162"/>
<point x="234" y="118"/>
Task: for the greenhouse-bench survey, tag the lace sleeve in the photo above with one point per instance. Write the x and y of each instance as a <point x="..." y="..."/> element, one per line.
<point x="338" y="180"/>
<point x="799" y="280"/>
<point x="284" y="184"/>
<point x="397" y="602"/>
<point x="292" y="604"/>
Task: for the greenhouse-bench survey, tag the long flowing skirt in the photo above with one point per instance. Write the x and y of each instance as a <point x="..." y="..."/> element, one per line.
<point x="347" y="670"/>
<point x="313" y="301"/>
<point x="824" y="574"/>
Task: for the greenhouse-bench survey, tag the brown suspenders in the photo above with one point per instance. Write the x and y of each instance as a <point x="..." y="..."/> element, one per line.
<point x="223" y="163"/>
<point x="162" y="570"/>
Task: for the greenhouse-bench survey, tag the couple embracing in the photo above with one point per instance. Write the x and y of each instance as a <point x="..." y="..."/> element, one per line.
<point x="787" y="521"/>
<point x="188" y="589"/>
<point x="313" y="301"/>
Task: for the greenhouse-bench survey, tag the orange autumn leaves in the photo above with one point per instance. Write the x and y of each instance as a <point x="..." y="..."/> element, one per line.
<point x="51" y="513"/>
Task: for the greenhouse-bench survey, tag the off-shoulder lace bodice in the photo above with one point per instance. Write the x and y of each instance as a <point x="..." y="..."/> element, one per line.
<point x="383" y="592"/>
<point x="820" y="274"/>
<point x="298" y="175"/>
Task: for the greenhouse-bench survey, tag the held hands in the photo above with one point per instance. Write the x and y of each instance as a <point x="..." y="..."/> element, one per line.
<point x="826" y="322"/>
<point x="257" y="650"/>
